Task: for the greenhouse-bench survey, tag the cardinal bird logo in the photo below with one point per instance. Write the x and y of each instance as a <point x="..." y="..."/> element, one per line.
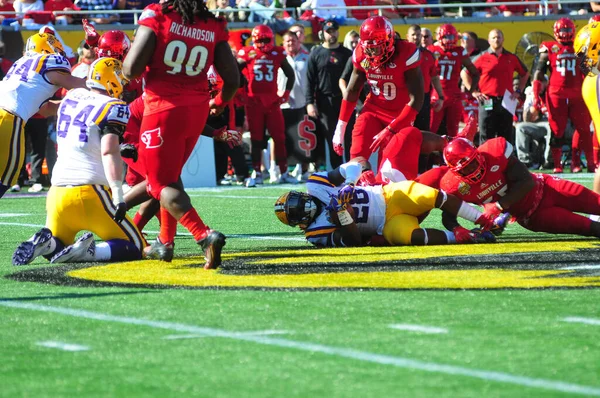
<point x="152" y="138"/>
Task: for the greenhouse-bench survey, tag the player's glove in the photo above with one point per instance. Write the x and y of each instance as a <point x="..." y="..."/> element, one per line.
<point x="463" y="235"/>
<point x="121" y="212"/>
<point x="91" y="36"/>
<point x="231" y="137"/>
<point x="338" y="137"/>
<point x="483" y="236"/>
<point x="335" y="204"/>
<point x="500" y="223"/>
<point x="129" y="151"/>
<point x="346" y="194"/>
<point x="490" y="212"/>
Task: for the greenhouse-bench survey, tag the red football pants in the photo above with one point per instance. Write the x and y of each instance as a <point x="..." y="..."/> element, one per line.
<point x="368" y="124"/>
<point x="560" y="110"/>
<point x="452" y="111"/>
<point x="400" y="157"/>
<point x="260" y="116"/>
<point x="167" y="140"/>
<point x="555" y="214"/>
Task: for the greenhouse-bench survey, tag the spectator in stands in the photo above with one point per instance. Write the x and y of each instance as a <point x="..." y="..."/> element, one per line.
<point x="533" y="134"/>
<point x="96" y="5"/>
<point x="323" y="93"/>
<point x="6" y="6"/>
<point x="497" y="67"/>
<point x="298" y="30"/>
<point x="351" y="40"/>
<point x="426" y="38"/>
<point x="24" y="6"/>
<point x="132" y="5"/>
<point x="507" y="11"/>
<point x="215" y="5"/>
<point x="468" y="41"/>
<point x="321" y="8"/>
<point x="361" y="14"/>
<point x="61" y="5"/>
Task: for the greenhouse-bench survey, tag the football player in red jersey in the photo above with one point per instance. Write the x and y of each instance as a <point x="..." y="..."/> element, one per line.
<point x="493" y="177"/>
<point x="450" y="60"/>
<point x="260" y="63"/>
<point x="391" y="69"/>
<point x="563" y="95"/>
<point x="177" y="41"/>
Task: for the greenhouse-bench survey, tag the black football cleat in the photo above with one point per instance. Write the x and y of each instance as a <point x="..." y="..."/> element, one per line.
<point x="38" y="246"/>
<point x="160" y="251"/>
<point x="212" y="246"/>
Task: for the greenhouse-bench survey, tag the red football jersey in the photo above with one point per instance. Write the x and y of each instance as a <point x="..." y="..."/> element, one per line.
<point x="470" y="106"/>
<point x="428" y="68"/>
<point x="261" y="70"/>
<point x="176" y="75"/>
<point x="449" y="65"/>
<point x="388" y="87"/>
<point x="566" y="77"/>
<point x="494" y="184"/>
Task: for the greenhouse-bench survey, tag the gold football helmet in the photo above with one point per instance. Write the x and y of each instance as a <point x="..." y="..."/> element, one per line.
<point x="296" y="208"/>
<point x="107" y="74"/>
<point x="587" y="46"/>
<point x="43" y="43"/>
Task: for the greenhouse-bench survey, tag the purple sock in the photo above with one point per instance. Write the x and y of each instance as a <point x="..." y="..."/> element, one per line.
<point x="123" y="250"/>
<point x="3" y="189"/>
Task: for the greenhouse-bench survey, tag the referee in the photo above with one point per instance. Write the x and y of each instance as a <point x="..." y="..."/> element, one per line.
<point x="323" y="94"/>
<point x="497" y="68"/>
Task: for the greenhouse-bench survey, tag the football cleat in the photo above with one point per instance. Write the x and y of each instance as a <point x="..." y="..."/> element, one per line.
<point x="483" y="236"/>
<point x="39" y="245"/>
<point x="557" y="170"/>
<point x="286" y="178"/>
<point x="500" y="223"/>
<point x="212" y="246"/>
<point x="83" y="250"/>
<point x="160" y="251"/>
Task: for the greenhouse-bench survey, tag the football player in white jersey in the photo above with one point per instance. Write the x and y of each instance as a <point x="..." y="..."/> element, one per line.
<point x="335" y="212"/>
<point x="90" y="126"/>
<point x="29" y="84"/>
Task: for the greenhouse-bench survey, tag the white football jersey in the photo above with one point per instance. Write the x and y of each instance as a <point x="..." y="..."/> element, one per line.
<point x="24" y="89"/>
<point x="368" y="203"/>
<point x="82" y="116"/>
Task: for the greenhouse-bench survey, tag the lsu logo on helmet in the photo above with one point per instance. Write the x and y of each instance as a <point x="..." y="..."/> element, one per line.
<point x="152" y="138"/>
<point x="43" y="43"/>
<point x="106" y="74"/>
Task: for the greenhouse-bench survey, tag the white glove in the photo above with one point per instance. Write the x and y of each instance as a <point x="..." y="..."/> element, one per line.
<point x="338" y="137"/>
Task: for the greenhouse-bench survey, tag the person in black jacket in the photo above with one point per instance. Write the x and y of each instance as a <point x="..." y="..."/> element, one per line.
<point x="323" y="96"/>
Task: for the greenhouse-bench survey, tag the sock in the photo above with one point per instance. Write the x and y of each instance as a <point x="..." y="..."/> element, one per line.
<point x="56" y="245"/>
<point x="158" y="217"/>
<point x="193" y="223"/>
<point x="3" y="189"/>
<point x="117" y="250"/>
<point x="450" y="237"/>
<point x="168" y="227"/>
<point x="140" y="221"/>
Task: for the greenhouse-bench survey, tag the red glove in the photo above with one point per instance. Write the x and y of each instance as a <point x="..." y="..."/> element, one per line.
<point x="91" y="36"/>
<point x="537" y="89"/>
<point x="490" y="212"/>
<point x="463" y="235"/>
<point x="285" y="97"/>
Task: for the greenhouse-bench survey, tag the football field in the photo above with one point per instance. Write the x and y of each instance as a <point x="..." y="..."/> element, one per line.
<point x="519" y="318"/>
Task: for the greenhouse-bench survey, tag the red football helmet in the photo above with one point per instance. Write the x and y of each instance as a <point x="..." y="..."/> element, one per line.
<point x="463" y="158"/>
<point x="447" y="35"/>
<point x="594" y="18"/>
<point x="377" y="40"/>
<point x="262" y="38"/>
<point x="564" y="30"/>
<point x="113" y="43"/>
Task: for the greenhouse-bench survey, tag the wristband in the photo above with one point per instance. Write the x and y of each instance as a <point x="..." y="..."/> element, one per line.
<point x="468" y="212"/>
<point x="218" y="100"/>
<point x="116" y="188"/>
<point x="344" y="217"/>
<point x="346" y="110"/>
<point x="405" y="119"/>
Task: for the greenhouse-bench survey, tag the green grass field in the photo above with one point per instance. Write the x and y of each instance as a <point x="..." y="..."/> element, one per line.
<point x="280" y="319"/>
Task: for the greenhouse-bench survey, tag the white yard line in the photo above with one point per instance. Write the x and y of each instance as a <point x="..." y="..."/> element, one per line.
<point x="232" y="196"/>
<point x="577" y="319"/>
<point x="585" y="266"/>
<point x="419" y="328"/>
<point x="7" y="215"/>
<point x="63" y="346"/>
<point x="254" y="333"/>
<point x="380" y="359"/>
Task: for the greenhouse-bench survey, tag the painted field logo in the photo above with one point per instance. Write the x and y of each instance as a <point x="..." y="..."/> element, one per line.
<point x="537" y="265"/>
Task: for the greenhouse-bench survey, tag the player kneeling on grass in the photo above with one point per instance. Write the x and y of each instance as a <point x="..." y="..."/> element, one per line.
<point x="89" y="127"/>
<point x="335" y="212"/>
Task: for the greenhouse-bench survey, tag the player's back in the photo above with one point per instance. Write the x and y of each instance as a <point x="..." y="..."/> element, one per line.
<point x="566" y="77"/>
<point x="183" y="53"/>
<point x="25" y="88"/>
<point x="388" y="85"/>
<point x="82" y="117"/>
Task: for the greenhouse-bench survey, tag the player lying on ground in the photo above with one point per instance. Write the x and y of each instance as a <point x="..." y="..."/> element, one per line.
<point x="493" y="177"/>
<point x="89" y="127"/>
<point x="335" y="212"/>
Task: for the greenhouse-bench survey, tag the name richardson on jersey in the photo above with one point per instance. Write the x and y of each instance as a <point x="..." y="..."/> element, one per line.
<point x="192" y="33"/>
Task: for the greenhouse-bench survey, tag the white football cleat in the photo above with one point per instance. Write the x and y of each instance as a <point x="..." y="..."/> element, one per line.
<point x="38" y="245"/>
<point x="286" y="178"/>
<point x="83" y="250"/>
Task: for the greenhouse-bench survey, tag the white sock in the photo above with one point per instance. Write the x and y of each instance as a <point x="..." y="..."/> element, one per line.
<point x="102" y="251"/>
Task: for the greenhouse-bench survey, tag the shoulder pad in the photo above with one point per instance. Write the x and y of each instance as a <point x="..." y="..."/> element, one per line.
<point x="118" y="112"/>
<point x="53" y="62"/>
<point x="151" y="11"/>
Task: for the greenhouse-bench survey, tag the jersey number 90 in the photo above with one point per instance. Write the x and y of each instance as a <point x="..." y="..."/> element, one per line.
<point x="176" y="54"/>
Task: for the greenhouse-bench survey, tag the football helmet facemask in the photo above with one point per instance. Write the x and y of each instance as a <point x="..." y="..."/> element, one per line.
<point x="564" y="31"/>
<point x="377" y="40"/>
<point x="107" y="74"/>
<point x="43" y="43"/>
<point x="262" y="38"/>
<point x="296" y="209"/>
<point x="447" y="35"/>
<point x="587" y="46"/>
<point x="463" y="158"/>
<point x="114" y="44"/>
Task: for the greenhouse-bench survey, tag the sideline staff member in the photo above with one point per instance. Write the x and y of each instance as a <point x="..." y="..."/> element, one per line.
<point x="497" y="67"/>
<point x="323" y="94"/>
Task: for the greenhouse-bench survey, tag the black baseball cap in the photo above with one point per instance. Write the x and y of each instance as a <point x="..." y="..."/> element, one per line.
<point x="331" y="24"/>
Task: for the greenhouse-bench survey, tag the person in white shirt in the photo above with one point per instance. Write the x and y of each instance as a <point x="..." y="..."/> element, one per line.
<point x="321" y="10"/>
